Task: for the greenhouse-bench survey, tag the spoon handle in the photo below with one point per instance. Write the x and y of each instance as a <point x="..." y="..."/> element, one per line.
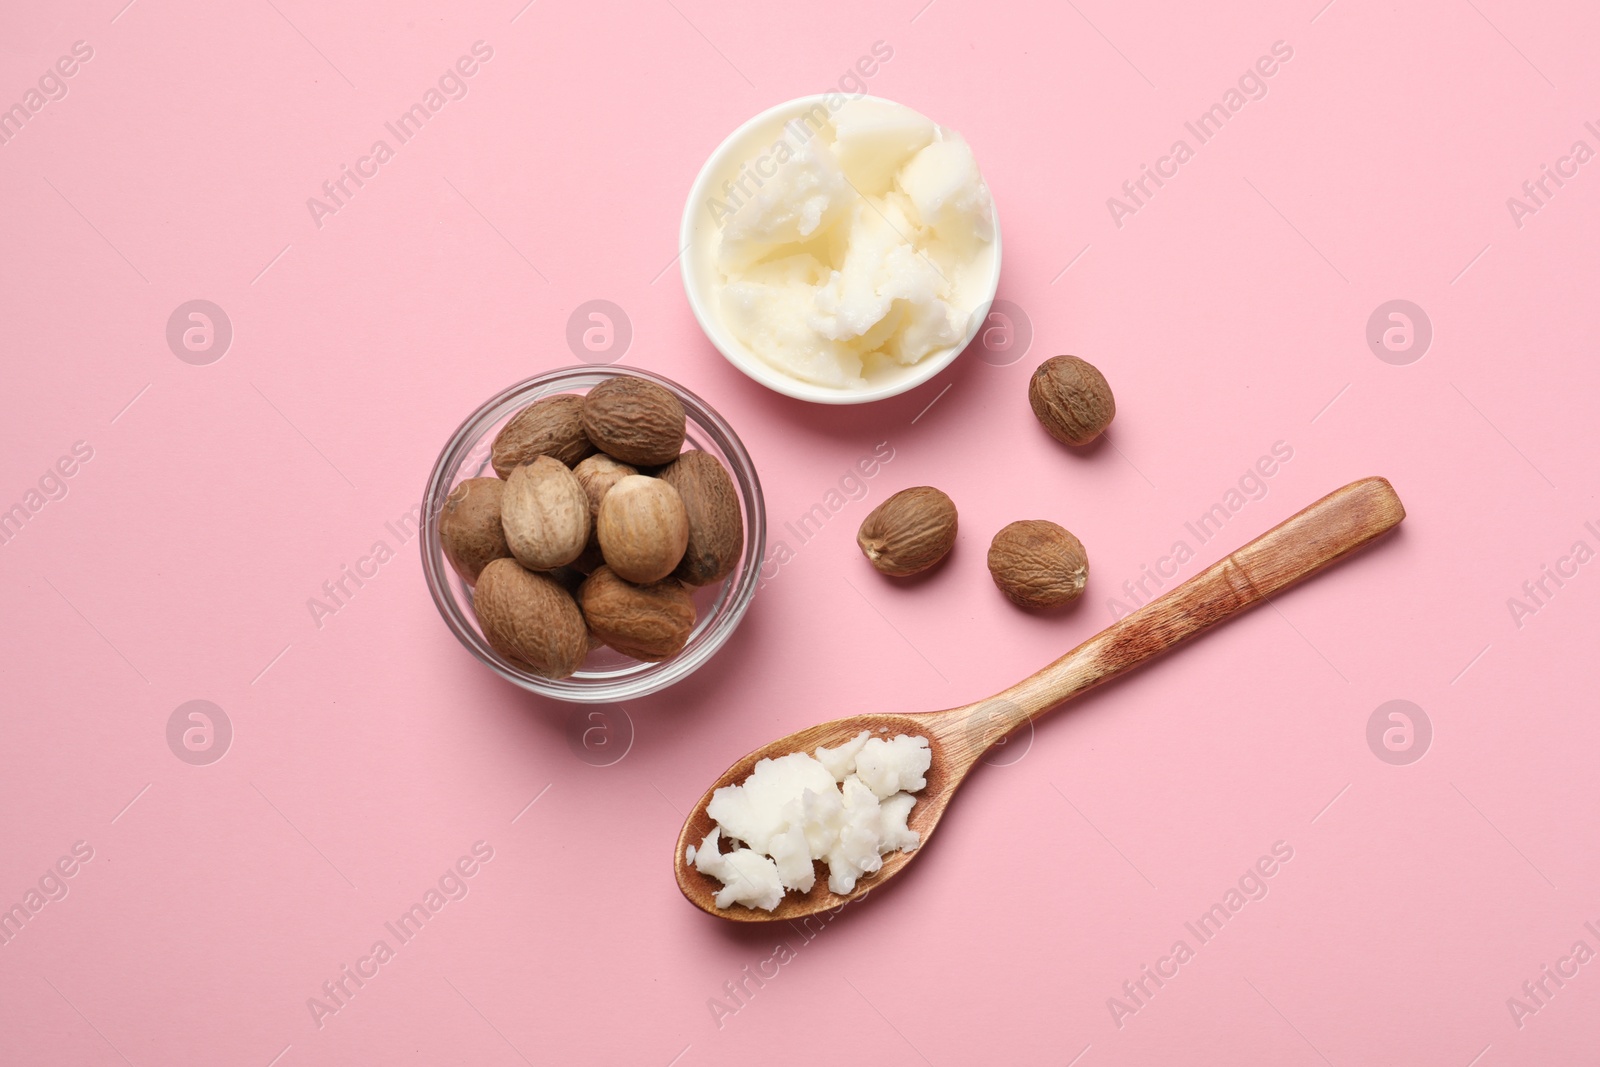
<point x="1295" y="549"/>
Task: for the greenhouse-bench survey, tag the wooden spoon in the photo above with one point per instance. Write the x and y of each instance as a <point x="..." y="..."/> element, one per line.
<point x="1333" y="527"/>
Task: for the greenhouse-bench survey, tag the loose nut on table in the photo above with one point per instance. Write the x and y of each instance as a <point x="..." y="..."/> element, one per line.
<point x="1038" y="564"/>
<point x="909" y="532"/>
<point x="1072" y="399"/>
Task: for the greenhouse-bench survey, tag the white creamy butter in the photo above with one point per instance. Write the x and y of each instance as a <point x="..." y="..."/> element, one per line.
<point x="846" y="806"/>
<point x="862" y="240"/>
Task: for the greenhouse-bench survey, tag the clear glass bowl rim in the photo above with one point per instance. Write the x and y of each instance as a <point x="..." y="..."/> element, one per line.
<point x="712" y="633"/>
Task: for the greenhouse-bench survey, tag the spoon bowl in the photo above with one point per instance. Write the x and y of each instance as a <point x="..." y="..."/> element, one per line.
<point x="1295" y="549"/>
<point x="951" y="761"/>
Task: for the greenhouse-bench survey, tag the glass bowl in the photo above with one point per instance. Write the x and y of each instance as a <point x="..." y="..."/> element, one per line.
<point x="606" y="676"/>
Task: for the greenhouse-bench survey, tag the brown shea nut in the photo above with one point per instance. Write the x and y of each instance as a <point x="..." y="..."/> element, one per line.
<point x="1071" y="397"/>
<point x="549" y="427"/>
<point x="1038" y="564"/>
<point x="643" y="528"/>
<point x="649" y="622"/>
<point x="530" y="619"/>
<point x="545" y="514"/>
<point x="910" y="532"/>
<point x="469" y="526"/>
<point x="597" y="474"/>
<point x="634" y="420"/>
<point x="716" y="523"/>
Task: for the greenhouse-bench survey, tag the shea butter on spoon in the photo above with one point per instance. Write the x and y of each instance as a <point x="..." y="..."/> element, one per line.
<point x="846" y="806"/>
<point x="841" y="249"/>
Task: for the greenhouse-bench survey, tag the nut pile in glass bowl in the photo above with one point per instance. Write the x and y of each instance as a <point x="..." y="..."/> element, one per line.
<point x="593" y="534"/>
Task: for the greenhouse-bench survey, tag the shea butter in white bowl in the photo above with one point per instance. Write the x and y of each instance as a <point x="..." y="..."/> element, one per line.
<point x="841" y="249"/>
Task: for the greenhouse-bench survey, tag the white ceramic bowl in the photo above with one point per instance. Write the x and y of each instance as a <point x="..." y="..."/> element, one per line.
<point x="698" y="239"/>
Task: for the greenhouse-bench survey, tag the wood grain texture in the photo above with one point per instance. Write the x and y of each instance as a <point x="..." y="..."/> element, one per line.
<point x="1297" y="548"/>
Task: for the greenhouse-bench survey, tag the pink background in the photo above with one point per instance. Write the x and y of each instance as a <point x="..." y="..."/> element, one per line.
<point x="369" y="754"/>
